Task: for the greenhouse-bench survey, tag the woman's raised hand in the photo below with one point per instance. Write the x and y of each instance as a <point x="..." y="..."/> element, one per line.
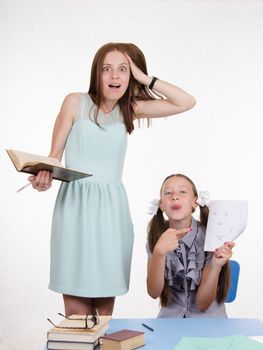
<point x="137" y="73"/>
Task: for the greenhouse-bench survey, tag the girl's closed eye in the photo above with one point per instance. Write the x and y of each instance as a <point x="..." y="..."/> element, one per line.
<point x="168" y="193"/>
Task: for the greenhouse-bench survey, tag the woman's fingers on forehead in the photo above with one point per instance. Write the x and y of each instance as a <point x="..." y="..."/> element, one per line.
<point x="128" y="57"/>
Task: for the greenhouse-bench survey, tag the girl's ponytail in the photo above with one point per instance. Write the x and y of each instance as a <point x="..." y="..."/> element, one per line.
<point x="204" y="211"/>
<point x="156" y="227"/>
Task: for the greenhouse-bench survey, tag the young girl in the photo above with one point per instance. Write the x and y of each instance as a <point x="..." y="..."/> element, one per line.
<point x="189" y="281"/>
<point x="92" y="231"/>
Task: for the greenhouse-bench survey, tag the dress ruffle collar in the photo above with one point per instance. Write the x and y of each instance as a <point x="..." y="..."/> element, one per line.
<point x="191" y="251"/>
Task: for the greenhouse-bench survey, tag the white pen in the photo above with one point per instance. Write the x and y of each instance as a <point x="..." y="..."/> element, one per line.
<point x="22" y="188"/>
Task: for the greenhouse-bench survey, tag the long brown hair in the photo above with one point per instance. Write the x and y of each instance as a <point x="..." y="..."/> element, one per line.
<point x="159" y="224"/>
<point x="135" y="90"/>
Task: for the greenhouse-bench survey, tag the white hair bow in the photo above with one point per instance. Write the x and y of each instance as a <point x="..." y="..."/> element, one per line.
<point x="153" y="207"/>
<point x="203" y="198"/>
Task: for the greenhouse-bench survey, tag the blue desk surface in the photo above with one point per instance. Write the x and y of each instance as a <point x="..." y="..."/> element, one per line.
<point x="168" y="331"/>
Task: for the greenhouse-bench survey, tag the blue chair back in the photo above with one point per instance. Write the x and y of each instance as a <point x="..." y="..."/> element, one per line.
<point x="234" y="276"/>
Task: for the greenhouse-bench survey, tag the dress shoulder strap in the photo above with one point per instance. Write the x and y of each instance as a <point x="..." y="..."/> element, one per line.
<point x="85" y="106"/>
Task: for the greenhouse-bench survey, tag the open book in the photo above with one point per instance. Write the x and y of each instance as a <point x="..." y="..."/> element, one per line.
<point x="32" y="163"/>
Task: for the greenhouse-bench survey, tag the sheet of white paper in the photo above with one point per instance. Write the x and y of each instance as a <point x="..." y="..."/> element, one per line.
<point x="227" y="219"/>
<point x="258" y="338"/>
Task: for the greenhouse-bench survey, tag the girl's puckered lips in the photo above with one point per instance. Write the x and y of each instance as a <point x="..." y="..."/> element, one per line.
<point x="176" y="207"/>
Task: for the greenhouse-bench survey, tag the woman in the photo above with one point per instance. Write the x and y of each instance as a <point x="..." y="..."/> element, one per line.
<point x="92" y="232"/>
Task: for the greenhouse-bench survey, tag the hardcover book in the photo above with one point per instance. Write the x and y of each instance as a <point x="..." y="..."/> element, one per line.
<point x="33" y="163"/>
<point x="124" y="339"/>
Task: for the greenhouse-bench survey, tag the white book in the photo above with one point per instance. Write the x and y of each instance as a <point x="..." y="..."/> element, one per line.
<point x="68" y="345"/>
<point x="79" y="335"/>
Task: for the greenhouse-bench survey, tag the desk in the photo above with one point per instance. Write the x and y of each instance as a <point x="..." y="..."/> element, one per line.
<point x="168" y="331"/>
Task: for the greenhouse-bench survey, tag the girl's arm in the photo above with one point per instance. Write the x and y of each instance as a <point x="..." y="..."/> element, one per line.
<point x="176" y="100"/>
<point x="207" y="289"/>
<point x="156" y="264"/>
<point x="62" y="127"/>
<point x="155" y="275"/>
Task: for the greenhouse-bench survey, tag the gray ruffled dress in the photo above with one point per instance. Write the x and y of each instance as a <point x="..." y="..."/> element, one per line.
<point x="183" y="271"/>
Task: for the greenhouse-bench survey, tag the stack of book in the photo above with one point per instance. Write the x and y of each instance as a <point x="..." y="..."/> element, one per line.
<point x="76" y="338"/>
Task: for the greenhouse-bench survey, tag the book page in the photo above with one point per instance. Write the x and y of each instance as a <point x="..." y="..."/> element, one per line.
<point x="226" y="221"/>
<point x="30" y="159"/>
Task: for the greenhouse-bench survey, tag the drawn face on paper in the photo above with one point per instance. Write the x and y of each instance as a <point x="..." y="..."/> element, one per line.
<point x="226" y="221"/>
<point x="223" y="225"/>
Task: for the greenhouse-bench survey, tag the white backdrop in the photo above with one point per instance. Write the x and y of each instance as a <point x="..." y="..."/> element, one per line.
<point x="213" y="49"/>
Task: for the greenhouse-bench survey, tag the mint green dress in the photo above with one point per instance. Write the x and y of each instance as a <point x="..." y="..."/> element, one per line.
<point x="92" y="231"/>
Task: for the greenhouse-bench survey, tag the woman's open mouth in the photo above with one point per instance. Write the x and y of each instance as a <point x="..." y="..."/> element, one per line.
<point x="114" y="86"/>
